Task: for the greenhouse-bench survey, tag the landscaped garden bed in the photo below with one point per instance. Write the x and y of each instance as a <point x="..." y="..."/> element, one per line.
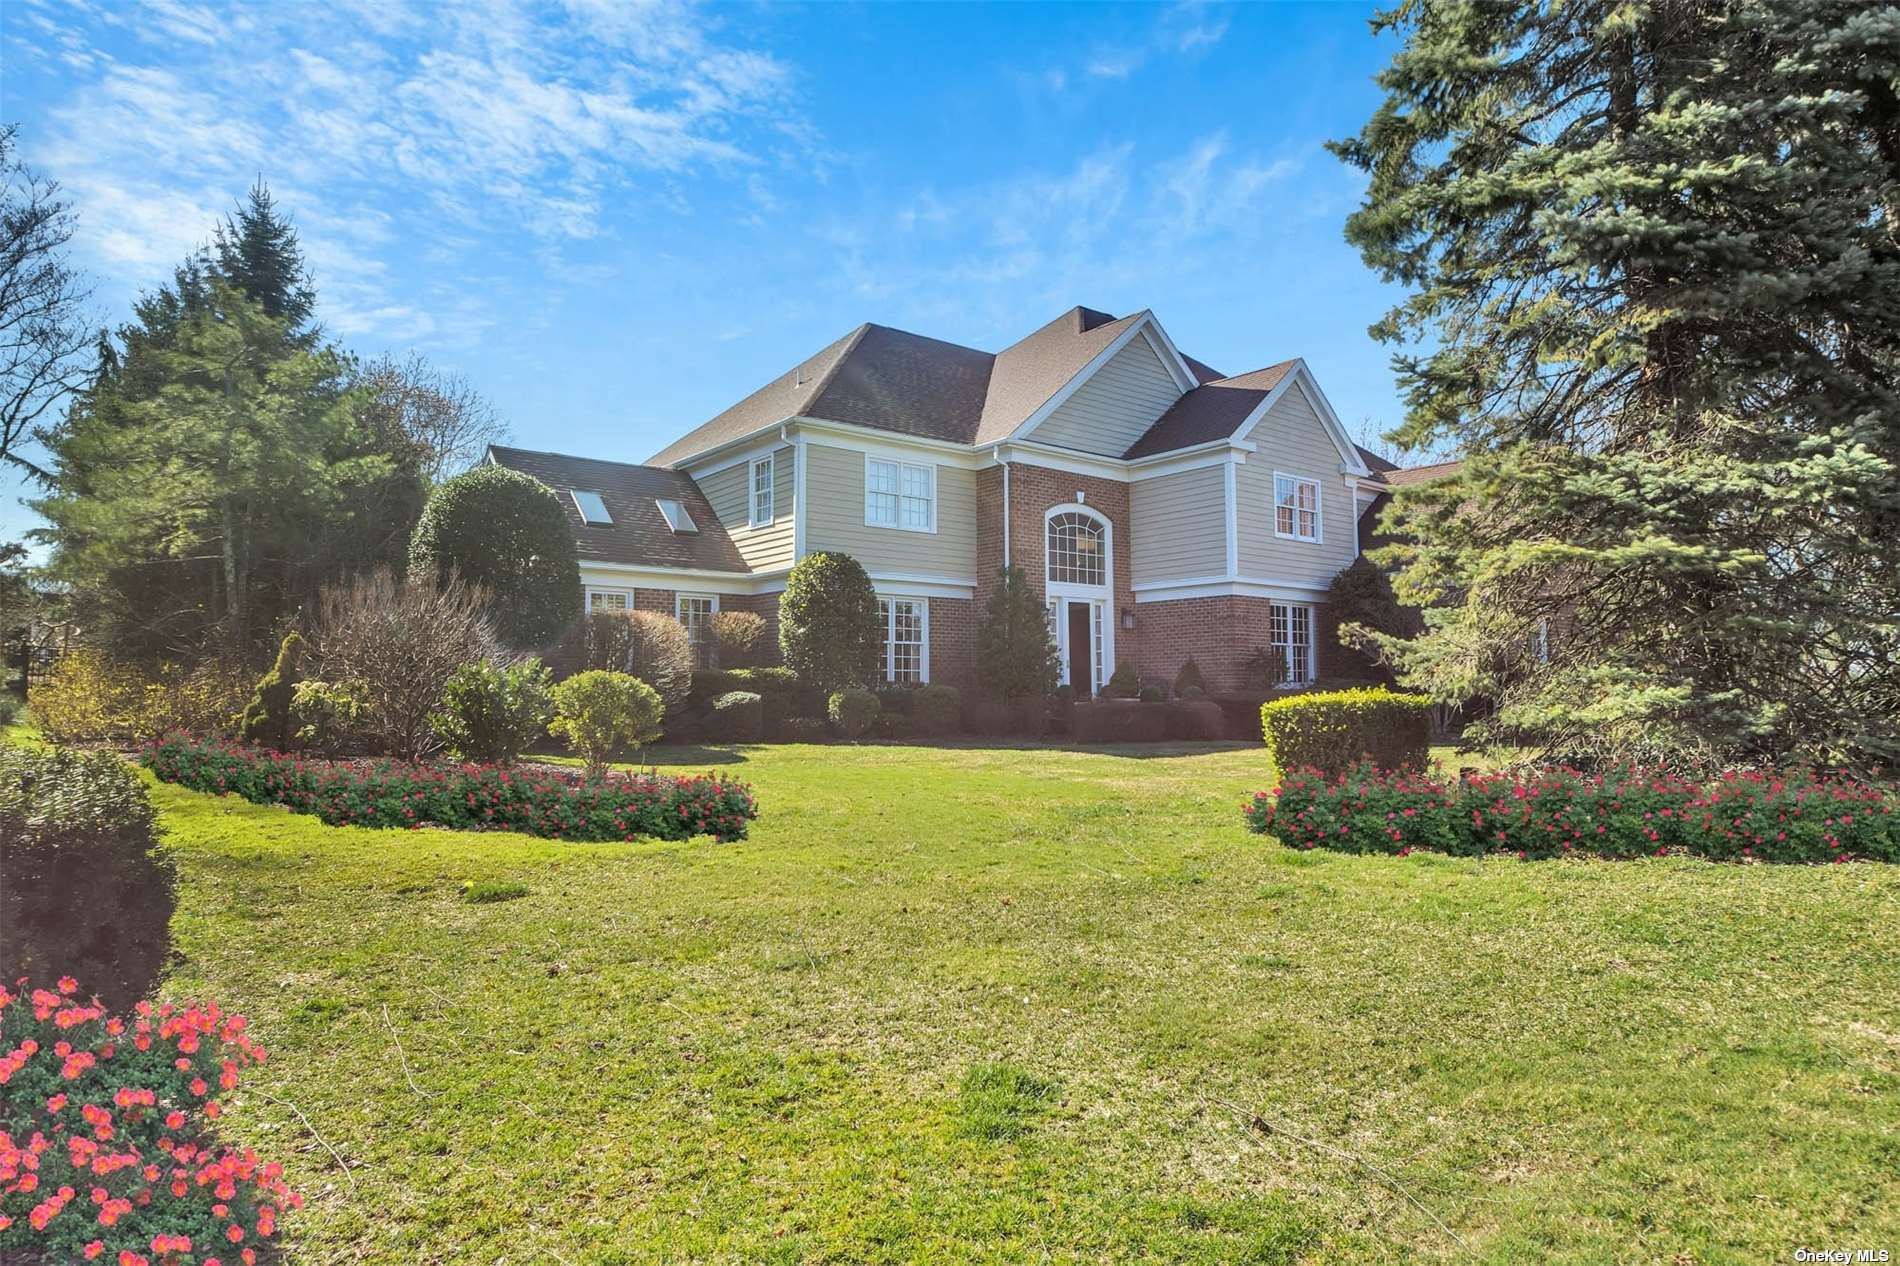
<point x="537" y="800"/>
<point x="1794" y="816"/>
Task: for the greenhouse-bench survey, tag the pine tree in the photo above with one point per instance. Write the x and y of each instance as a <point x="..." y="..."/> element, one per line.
<point x="258" y="252"/>
<point x="1656" y="251"/>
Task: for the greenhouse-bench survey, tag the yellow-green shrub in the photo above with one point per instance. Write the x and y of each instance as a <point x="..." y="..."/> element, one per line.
<point x="91" y="698"/>
<point x="1333" y="731"/>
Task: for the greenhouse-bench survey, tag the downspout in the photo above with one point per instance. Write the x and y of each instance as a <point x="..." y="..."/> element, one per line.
<point x="996" y="455"/>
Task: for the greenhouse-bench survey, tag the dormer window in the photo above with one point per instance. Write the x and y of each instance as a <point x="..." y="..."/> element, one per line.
<point x="674" y="512"/>
<point x="593" y="509"/>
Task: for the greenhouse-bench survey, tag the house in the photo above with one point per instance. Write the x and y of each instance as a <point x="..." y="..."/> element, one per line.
<point x="1163" y="509"/>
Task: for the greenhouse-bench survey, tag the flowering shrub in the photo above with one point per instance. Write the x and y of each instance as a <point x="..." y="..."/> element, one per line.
<point x="106" y="1151"/>
<point x="565" y="806"/>
<point x="1786" y="817"/>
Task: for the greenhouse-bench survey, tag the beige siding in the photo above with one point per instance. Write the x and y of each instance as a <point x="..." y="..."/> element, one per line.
<point x="1116" y="406"/>
<point x="1179" y="525"/>
<point x="763" y="548"/>
<point x="1292" y="440"/>
<point x="834" y="484"/>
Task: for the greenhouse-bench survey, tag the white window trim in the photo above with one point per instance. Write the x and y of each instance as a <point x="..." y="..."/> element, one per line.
<point x="930" y="473"/>
<point x="1319" y="510"/>
<point x="1312" y="641"/>
<point x="1054" y="591"/>
<point x="888" y="671"/>
<point x="587" y="599"/>
<point x="679" y="603"/>
<point x="752" y="491"/>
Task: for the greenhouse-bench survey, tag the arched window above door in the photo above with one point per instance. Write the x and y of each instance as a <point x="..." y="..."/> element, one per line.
<point x="1077" y="549"/>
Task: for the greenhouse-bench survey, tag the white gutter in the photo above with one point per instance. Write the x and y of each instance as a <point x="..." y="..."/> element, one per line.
<point x="997" y="454"/>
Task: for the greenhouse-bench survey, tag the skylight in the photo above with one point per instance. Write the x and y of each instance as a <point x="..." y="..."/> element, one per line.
<point x="592" y="508"/>
<point x="675" y="515"/>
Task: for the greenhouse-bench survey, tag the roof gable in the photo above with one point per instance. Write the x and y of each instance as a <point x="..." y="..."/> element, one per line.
<point x="1116" y="404"/>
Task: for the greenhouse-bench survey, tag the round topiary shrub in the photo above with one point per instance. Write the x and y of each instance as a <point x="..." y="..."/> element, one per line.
<point x="1123" y="683"/>
<point x="1150" y="694"/>
<point x="738" y="716"/>
<point x="827" y="622"/>
<point x="738" y="638"/>
<point x="599" y="713"/>
<point x="507" y="533"/>
<point x="852" y="711"/>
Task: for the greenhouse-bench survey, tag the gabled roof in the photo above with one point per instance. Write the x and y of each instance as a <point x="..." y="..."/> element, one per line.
<point x="892" y="380"/>
<point x="638" y="534"/>
<point x="1028" y="372"/>
<point x="1212" y="411"/>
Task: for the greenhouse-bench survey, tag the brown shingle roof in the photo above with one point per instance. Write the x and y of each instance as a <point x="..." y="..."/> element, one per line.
<point x="1032" y="369"/>
<point x="896" y="381"/>
<point x="1422" y="474"/>
<point x="638" y="534"/>
<point x="1212" y="411"/>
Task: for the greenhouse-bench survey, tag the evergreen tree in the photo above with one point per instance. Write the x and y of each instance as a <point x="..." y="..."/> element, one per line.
<point x="258" y="253"/>
<point x="1656" y="250"/>
<point x="1015" y="656"/>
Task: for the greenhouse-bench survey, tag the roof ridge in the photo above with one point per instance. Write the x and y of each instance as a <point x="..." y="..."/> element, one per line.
<point x="1278" y="364"/>
<point x="574" y="457"/>
<point x="830" y="374"/>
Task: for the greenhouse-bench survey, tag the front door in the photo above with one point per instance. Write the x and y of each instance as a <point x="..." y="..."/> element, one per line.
<point x="1081" y="648"/>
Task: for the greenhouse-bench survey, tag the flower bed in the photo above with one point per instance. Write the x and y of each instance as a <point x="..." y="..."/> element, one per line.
<point x="541" y="801"/>
<point x="1771" y="817"/>
<point x="105" y="1147"/>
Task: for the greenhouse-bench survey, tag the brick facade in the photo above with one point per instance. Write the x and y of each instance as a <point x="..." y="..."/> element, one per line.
<point x="1220" y="634"/>
<point x="953" y="624"/>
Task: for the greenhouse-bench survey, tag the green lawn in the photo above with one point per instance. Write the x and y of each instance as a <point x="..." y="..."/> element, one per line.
<point x="1017" y="1006"/>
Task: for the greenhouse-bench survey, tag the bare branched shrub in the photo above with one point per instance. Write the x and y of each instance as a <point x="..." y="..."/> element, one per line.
<point x="648" y="644"/>
<point x="401" y="639"/>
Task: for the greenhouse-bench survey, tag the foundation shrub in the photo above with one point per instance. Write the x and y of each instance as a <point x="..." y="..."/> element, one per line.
<point x="738" y="716"/>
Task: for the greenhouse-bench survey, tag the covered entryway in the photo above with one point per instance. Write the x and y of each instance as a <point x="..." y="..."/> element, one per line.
<point x="1079" y="572"/>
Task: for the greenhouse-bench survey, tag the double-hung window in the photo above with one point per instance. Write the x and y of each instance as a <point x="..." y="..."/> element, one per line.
<point x="695" y="611"/>
<point x="1296" y="507"/>
<point x="609" y="600"/>
<point x="762" y="507"/>
<point x="1290" y="633"/>
<point x="905" y="653"/>
<point x="899" y="495"/>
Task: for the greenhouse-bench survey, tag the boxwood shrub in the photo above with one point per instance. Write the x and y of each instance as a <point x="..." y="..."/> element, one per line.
<point x="1334" y="731"/>
<point x="83" y="888"/>
<point x="536" y="801"/>
<point x="738" y="716"/>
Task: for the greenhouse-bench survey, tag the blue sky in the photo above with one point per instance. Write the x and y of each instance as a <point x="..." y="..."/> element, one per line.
<point x="617" y="220"/>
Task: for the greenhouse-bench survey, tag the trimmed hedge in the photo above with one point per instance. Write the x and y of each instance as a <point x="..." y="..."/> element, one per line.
<point x="82" y="887"/>
<point x="738" y="716"/>
<point x="1775" y="817"/>
<point x="614" y="806"/>
<point x="1334" y="731"/>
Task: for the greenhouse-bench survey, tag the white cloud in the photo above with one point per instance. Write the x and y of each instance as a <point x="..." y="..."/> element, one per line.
<point x="484" y="118"/>
<point x="1110" y="224"/>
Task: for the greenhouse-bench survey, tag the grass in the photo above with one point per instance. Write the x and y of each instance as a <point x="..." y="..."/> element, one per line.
<point x="1018" y="1005"/>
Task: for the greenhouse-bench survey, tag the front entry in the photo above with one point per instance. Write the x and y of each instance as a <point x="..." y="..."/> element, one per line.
<point x="1081" y="647"/>
<point x="1080" y="627"/>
